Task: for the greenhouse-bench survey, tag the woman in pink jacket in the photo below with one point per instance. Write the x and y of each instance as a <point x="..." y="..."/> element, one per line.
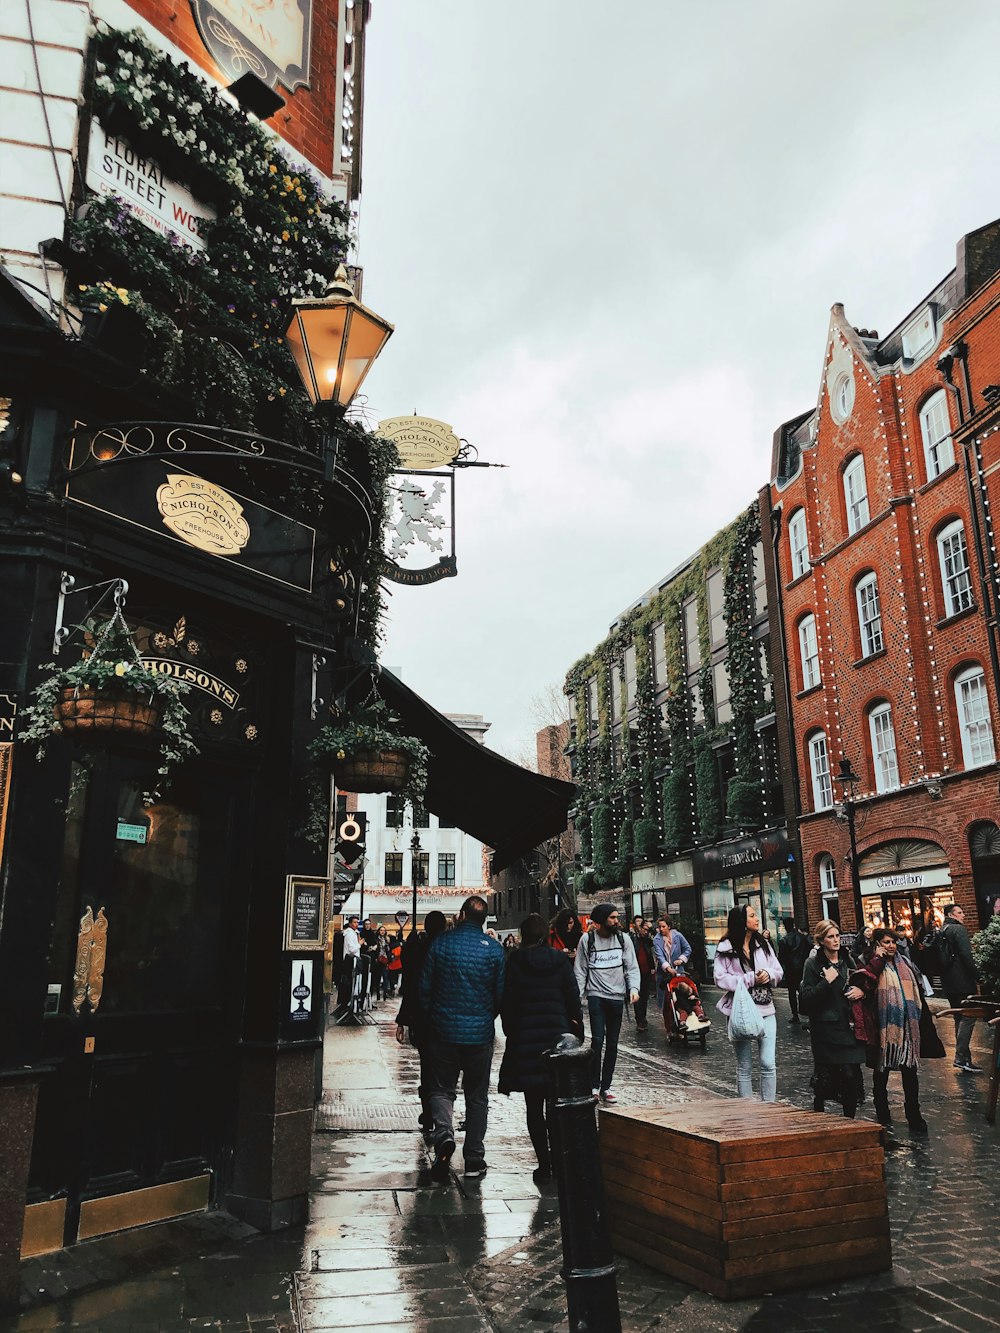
<point x="743" y="955"/>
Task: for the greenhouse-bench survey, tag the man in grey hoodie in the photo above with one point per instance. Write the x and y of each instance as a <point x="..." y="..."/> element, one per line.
<point x="607" y="973"/>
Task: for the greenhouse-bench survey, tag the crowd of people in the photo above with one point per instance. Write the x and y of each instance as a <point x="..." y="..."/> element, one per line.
<point x="866" y="1006"/>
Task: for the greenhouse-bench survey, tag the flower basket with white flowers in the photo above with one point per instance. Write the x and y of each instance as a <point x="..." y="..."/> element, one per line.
<point x="368" y="752"/>
<point x="111" y="693"/>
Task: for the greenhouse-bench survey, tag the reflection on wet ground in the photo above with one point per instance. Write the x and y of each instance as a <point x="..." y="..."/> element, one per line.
<point x="388" y="1248"/>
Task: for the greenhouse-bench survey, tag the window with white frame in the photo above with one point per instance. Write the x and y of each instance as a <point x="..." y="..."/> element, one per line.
<point x="974" y="718"/>
<point x="827" y="876"/>
<point x="819" y="767"/>
<point x="935" y="431"/>
<point x="869" y="616"/>
<point x="856" y="493"/>
<point x="883" y="737"/>
<point x="919" y="335"/>
<point x="798" y="543"/>
<point x="956" y="580"/>
<point x="809" y="652"/>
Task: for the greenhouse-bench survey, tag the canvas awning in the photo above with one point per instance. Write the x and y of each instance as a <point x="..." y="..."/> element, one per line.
<point x="507" y="807"/>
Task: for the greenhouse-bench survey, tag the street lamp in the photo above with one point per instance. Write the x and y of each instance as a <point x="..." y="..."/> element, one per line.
<point x="850" y="779"/>
<point x="415" y="850"/>
<point x="334" y="341"/>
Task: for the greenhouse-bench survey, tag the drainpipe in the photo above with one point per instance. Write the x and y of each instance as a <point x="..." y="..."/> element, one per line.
<point x="983" y="562"/>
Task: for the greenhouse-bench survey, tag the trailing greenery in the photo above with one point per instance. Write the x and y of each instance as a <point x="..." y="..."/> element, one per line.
<point x="647" y="839"/>
<point x="666" y="773"/>
<point x="114" y="666"/>
<point x="986" y="951"/>
<point x="373" y="728"/>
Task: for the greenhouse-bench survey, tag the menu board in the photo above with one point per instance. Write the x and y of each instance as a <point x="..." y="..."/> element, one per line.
<point x="305" y="912"/>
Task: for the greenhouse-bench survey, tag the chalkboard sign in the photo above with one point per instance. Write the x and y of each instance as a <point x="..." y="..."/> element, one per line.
<point x="305" y="912"/>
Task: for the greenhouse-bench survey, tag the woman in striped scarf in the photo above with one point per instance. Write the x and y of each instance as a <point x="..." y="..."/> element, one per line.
<point x="888" y="1021"/>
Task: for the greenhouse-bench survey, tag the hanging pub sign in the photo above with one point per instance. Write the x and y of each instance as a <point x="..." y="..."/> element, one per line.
<point x="421" y="442"/>
<point x="421" y="525"/>
<point x="269" y="39"/>
<point x="114" y="167"/>
<point x="161" y="497"/>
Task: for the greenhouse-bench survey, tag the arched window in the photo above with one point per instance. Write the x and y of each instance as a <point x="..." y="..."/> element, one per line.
<point x="869" y="616"/>
<point x="956" y="580"/>
<point x="974" y="724"/>
<point x="935" y="431"/>
<point x="819" y="767"/>
<point x="883" y="736"/>
<point x="856" y="493"/>
<point x="827" y="876"/>
<point x="798" y="543"/>
<point x="809" y="652"/>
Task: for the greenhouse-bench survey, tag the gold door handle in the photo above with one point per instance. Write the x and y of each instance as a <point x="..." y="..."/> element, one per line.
<point x="91" y="954"/>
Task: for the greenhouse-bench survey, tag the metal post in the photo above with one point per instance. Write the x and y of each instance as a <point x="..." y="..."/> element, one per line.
<point x="588" y="1262"/>
<point x="855" y="877"/>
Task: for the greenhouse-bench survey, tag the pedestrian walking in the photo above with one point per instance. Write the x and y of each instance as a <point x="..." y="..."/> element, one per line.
<point x="743" y="957"/>
<point x="959" y="979"/>
<point x="827" y="996"/>
<point x="607" y="975"/>
<point x="895" y="1024"/>
<point x="541" y="1001"/>
<point x="461" y="987"/>
<point x="642" y="943"/>
<point x="349" y="962"/>
<point x="672" y="953"/>
<point x="412" y="1018"/>
<point x="566" y="931"/>
<point x="793" y="951"/>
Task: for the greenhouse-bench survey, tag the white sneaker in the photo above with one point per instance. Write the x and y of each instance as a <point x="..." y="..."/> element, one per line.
<point x="608" y="1098"/>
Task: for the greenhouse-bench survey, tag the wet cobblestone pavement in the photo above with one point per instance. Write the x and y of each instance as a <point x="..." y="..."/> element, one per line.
<point x="386" y="1248"/>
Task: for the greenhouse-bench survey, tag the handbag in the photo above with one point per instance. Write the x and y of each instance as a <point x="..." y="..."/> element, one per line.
<point x="745" y="1020"/>
<point x="926" y="986"/>
<point x="761" y="994"/>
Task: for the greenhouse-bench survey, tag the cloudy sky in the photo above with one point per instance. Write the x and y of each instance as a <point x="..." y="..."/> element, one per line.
<point x="609" y="237"/>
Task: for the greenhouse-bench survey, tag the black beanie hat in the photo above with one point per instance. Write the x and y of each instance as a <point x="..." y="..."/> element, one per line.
<point x="601" y="913"/>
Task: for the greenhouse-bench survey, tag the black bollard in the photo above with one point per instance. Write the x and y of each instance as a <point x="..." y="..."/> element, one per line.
<point x="588" y="1263"/>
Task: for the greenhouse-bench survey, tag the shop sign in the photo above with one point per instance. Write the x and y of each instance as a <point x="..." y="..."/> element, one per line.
<point x="300" y="1008"/>
<point x="114" y="167"/>
<point x="672" y="875"/>
<point x="421" y="522"/>
<point x="742" y="856"/>
<point x="196" y="677"/>
<point x="907" y="881"/>
<point x="171" y="502"/>
<point x="269" y="38"/>
<point x="421" y="442"/>
<point x="305" y="912"/>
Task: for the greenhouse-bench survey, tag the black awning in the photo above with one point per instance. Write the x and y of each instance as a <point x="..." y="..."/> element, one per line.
<point x="507" y="807"/>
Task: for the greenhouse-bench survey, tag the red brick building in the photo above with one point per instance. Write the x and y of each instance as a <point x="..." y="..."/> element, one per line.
<point x="885" y="566"/>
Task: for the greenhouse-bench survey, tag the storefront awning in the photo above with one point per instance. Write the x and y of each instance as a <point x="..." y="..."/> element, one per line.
<point x="505" y="806"/>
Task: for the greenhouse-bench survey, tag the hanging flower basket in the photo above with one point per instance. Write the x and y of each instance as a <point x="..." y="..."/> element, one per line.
<point x="83" y="709"/>
<point x="112" y="694"/>
<point x="367" y="752"/>
<point x="372" y="770"/>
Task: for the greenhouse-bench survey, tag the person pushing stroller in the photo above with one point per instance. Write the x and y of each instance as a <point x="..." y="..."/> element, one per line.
<point x="676" y="991"/>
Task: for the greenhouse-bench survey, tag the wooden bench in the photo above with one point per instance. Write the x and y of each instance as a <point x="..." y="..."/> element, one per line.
<point x="740" y="1197"/>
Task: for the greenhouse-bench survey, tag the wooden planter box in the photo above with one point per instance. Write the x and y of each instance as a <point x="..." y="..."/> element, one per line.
<point x="94" y="714"/>
<point x="740" y="1198"/>
<point x="372" y="770"/>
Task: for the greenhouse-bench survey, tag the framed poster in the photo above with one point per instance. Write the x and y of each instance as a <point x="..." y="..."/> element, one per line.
<point x="305" y="912"/>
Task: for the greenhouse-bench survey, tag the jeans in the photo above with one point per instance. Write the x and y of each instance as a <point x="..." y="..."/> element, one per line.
<point x="963" y="1032"/>
<point x="445" y="1061"/>
<point x="605" y="1024"/>
<point x="744" y="1062"/>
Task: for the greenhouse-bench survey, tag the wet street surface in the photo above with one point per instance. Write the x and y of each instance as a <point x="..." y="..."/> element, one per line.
<point x="387" y="1248"/>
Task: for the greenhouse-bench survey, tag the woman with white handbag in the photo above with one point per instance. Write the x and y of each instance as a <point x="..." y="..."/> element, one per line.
<point x="747" y="970"/>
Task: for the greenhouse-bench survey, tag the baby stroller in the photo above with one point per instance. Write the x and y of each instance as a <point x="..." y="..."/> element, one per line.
<point x="683" y="1016"/>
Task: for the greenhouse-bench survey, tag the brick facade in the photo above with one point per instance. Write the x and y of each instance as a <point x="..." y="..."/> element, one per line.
<point x="950" y="346"/>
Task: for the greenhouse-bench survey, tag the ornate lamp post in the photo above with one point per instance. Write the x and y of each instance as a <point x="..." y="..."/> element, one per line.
<point x="850" y="779"/>
<point x="334" y="341"/>
<point x="415" y="850"/>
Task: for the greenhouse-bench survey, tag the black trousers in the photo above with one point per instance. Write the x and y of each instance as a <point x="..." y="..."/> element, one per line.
<point x="642" y="1003"/>
<point x="534" y="1109"/>
<point x="911" y="1092"/>
<point x="793" y="980"/>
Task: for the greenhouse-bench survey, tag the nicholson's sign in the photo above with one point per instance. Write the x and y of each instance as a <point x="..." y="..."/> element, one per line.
<point x="203" y="514"/>
<point x="421" y="442"/>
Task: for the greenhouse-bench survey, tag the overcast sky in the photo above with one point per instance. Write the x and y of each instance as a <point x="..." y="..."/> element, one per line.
<point x="609" y="236"/>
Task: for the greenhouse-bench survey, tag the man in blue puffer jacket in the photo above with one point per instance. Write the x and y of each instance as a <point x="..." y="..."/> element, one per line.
<point x="461" y="987"/>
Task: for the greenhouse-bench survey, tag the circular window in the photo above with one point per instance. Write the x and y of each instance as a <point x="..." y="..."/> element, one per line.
<point x="842" y="403"/>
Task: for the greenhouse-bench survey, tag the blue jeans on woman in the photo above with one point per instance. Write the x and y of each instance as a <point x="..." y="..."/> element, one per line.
<point x="744" y="1062"/>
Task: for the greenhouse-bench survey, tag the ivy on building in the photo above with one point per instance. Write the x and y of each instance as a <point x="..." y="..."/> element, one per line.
<point x="655" y="790"/>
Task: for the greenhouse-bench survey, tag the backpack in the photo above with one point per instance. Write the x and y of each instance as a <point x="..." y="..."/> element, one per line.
<point x="937" y="950"/>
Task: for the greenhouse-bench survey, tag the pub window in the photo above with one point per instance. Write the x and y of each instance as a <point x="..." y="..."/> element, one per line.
<point x="393" y="868"/>
<point x="394" y="808"/>
<point x="446" y="869"/>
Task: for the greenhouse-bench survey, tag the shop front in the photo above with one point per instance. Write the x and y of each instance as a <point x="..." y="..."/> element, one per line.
<point x="754" y="871"/>
<point x="911" y="893"/>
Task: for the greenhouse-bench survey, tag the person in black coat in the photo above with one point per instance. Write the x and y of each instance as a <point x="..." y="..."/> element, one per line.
<point x="541" y="1001"/>
<point x="411" y="1015"/>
